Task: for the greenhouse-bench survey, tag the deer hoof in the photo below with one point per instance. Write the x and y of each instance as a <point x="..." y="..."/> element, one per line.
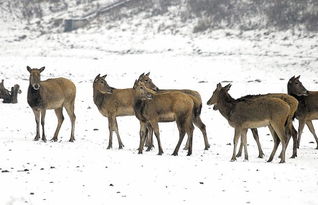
<point x="54" y="139"/>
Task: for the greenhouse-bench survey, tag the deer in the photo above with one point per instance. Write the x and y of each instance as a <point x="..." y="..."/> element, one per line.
<point x="253" y="113"/>
<point x="307" y="108"/>
<point x="112" y="103"/>
<point x="153" y="107"/>
<point x="196" y="97"/>
<point x="293" y="104"/>
<point x="55" y="93"/>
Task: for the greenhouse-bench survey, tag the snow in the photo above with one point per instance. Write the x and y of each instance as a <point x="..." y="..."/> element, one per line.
<point x="85" y="172"/>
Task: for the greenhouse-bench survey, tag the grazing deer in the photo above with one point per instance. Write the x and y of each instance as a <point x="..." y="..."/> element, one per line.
<point x="196" y="97"/>
<point x="293" y="104"/>
<point x="54" y="94"/>
<point x="253" y="113"/>
<point x="307" y="108"/>
<point x="112" y="103"/>
<point x="151" y="108"/>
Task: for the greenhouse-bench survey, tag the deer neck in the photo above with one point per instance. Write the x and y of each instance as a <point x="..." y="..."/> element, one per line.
<point x="226" y="105"/>
<point x="139" y="108"/>
<point x="98" y="98"/>
<point x="34" y="97"/>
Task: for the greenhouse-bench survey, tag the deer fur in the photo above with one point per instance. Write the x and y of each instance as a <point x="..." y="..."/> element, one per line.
<point x="307" y="108"/>
<point x="151" y="108"/>
<point x="293" y="104"/>
<point x="54" y="94"/>
<point x="196" y="97"/>
<point x="112" y="102"/>
<point x="253" y="113"/>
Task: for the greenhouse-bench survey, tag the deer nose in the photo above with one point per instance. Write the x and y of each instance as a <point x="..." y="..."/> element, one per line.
<point x="36" y="86"/>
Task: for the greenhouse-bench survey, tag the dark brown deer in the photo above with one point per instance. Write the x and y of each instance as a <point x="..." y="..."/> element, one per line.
<point x="112" y="103"/>
<point x="54" y="94"/>
<point x="151" y="108"/>
<point x="293" y="104"/>
<point x="307" y="108"/>
<point x="196" y="97"/>
<point x="253" y="113"/>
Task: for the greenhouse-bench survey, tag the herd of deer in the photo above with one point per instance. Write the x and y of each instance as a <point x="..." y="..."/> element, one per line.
<point x="152" y="105"/>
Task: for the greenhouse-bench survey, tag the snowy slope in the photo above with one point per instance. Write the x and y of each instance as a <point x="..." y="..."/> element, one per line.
<point x="85" y="172"/>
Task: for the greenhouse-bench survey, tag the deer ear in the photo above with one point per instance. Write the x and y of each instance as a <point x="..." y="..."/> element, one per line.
<point x="135" y="84"/>
<point x="28" y="68"/>
<point x="148" y="74"/>
<point x="142" y="75"/>
<point x="227" y="87"/>
<point x="104" y="76"/>
<point x="42" y="69"/>
<point x="219" y="86"/>
<point x="97" y="76"/>
<point x="297" y="78"/>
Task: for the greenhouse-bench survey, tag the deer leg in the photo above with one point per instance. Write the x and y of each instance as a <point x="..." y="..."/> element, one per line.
<point x="120" y="143"/>
<point x="155" y="128"/>
<point x="37" y="121"/>
<point x="300" y="130"/>
<point x="237" y="134"/>
<point x="290" y="131"/>
<point x="142" y="133"/>
<point x="71" y="114"/>
<point x="243" y="139"/>
<point x="60" y="119"/>
<point x="312" y="130"/>
<point x="256" y="138"/>
<point x="110" y="128"/>
<point x="293" y="133"/>
<point x="149" y="135"/>
<point x="280" y="131"/>
<point x="182" y="132"/>
<point x="43" y="112"/>
<point x="276" y="143"/>
<point x="189" y="130"/>
<point x="198" y="122"/>
<point x="239" y="153"/>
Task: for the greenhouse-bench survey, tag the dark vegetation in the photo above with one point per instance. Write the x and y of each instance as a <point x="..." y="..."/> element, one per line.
<point x="211" y="14"/>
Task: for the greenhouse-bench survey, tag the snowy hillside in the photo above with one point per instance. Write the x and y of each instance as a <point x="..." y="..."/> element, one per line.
<point x="85" y="172"/>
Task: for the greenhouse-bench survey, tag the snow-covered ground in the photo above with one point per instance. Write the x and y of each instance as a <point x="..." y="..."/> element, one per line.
<point x="85" y="172"/>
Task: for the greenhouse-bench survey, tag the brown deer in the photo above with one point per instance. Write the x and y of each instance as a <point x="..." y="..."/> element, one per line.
<point x="293" y="104"/>
<point x="54" y="94"/>
<point x="253" y="113"/>
<point x="307" y="108"/>
<point x="112" y="103"/>
<point x="196" y="97"/>
<point x="151" y="108"/>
